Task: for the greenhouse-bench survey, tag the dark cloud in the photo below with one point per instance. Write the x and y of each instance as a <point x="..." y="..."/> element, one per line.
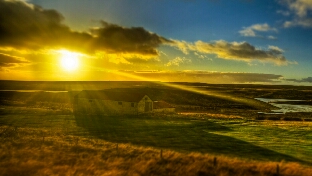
<point x="307" y="80"/>
<point x="30" y="27"/>
<point x="11" y="61"/>
<point x="114" y="38"/>
<point x="25" y="26"/>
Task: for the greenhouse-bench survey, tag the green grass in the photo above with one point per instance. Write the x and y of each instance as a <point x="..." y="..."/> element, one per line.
<point x="290" y="138"/>
<point x="23" y="151"/>
<point x="97" y="136"/>
<point x="236" y="138"/>
<point x="266" y="141"/>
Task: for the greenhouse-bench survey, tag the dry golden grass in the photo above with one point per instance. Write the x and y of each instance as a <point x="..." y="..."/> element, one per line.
<point x="211" y="115"/>
<point x="30" y="151"/>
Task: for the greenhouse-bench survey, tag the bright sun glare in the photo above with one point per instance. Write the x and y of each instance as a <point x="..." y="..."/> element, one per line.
<point x="69" y="60"/>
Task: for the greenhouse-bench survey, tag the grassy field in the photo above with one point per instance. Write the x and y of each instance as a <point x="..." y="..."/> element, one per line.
<point x="267" y="141"/>
<point x="46" y="142"/>
<point x="33" y="151"/>
<point x="40" y="135"/>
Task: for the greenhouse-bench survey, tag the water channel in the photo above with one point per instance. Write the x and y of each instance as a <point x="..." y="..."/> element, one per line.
<point x="289" y="107"/>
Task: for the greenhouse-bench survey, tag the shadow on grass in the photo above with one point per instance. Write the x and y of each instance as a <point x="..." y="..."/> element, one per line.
<point x="182" y="135"/>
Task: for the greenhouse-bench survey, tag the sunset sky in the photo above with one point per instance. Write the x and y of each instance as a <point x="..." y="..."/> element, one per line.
<point x="212" y="41"/>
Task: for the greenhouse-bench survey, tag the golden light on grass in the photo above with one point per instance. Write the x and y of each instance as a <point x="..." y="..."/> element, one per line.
<point x="69" y="61"/>
<point x="25" y="151"/>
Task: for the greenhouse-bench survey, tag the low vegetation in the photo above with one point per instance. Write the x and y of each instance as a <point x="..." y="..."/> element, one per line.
<point x="41" y="142"/>
<point x="41" y="135"/>
<point x="35" y="151"/>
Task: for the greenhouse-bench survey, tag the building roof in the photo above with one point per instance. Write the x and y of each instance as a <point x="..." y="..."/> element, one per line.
<point x="161" y="105"/>
<point x="111" y="95"/>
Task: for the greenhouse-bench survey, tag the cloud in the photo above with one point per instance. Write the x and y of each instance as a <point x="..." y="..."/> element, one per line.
<point x="27" y="26"/>
<point x="177" y="61"/>
<point x="241" y="51"/>
<point x="205" y="76"/>
<point x="262" y="27"/>
<point x="271" y="37"/>
<point x="285" y="13"/>
<point x="307" y="80"/>
<point x="114" y="38"/>
<point x="300" y="7"/>
<point x="251" y="30"/>
<point x="30" y="27"/>
<point x="304" y="22"/>
<point x="247" y="32"/>
<point x="275" y="48"/>
<point x="203" y="57"/>
<point x="199" y="55"/>
<point x="302" y="12"/>
<point x="182" y="45"/>
<point x="7" y="61"/>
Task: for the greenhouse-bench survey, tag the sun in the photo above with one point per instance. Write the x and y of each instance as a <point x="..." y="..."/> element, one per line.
<point x="69" y="60"/>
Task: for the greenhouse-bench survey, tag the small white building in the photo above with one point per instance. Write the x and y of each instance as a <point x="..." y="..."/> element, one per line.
<point x="111" y="102"/>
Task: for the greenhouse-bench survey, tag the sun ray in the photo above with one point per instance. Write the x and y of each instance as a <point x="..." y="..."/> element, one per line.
<point x="247" y="101"/>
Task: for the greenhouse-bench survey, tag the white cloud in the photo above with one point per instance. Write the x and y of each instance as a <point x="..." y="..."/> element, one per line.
<point x="285" y="13"/>
<point x="251" y="30"/>
<point x="263" y="27"/>
<point x="200" y="55"/>
<point x="302" y="13"/>
<point x="182" y="45"/>
<point x="272" y="37"/>
<point x="177" y="61"/>
<point x="239" y="51"/>
<point x="161" y="52"/>
<point x="304" y="22"/>
<point x="300" y="7"/>
<point x="247" y="32"/>
<point x="288" y="24"/>
<point x="275" y="48"/>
